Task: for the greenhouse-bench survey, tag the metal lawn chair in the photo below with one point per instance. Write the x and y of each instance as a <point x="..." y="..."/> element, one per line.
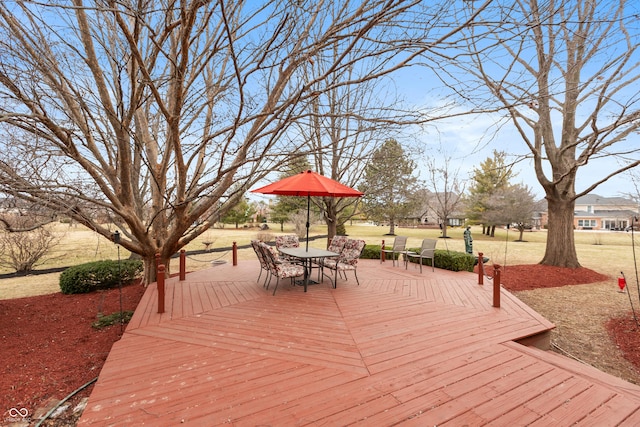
<point x="347" y="261"/>
<point x="398" y="248"/>
<point x="287" y="241"/>
<point x="427" y="251"/>
<point x="264" y="266"/>
<point x="336" y="245"/>
<point x="280" y="269"/>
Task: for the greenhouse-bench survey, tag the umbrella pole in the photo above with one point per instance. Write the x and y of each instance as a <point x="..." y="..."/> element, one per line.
<point x="308" y="208"/>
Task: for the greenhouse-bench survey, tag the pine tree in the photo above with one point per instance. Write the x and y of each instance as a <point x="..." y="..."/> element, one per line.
<point x="492" y="176"/>
<point x="389" y="185"/>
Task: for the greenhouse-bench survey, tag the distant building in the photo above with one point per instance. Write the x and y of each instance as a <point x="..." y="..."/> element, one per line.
<point x="427" y="213"/>
<point x="594" y="212"/>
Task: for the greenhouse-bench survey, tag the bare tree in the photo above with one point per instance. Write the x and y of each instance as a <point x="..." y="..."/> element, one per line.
<point x="566" y="75"/>
<point x="345" y="126"/>
<point x="25" y="242"/>
<point x="511" y="205"/>
<point x="446" y="189"/>
<point x="161" y="114"/>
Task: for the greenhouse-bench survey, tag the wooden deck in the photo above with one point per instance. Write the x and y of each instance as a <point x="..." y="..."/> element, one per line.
<point x="401" y="348"/>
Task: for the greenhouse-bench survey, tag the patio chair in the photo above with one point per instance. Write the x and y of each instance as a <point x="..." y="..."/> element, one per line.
<point x="347" y="261"/>
<point x="427" y="251"/>
<point x="336" y="245"/>
<point x="280" y="269"/>
<point x="287" y="241"/>
<point x="398" y="248"/>
<point x="264" y="266"/>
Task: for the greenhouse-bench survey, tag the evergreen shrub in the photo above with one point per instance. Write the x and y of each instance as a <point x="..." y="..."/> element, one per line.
<point x="447" y="260"/>
<point x="96" y="275"/>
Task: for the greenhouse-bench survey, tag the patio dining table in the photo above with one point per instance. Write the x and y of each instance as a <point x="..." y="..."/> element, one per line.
<point x="306" y="256"/>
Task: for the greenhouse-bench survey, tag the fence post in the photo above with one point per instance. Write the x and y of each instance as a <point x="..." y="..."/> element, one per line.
<point x="496" y="285"/>
<point x="160" y="282"/>
<point x="480" y="269"/>
<point x="382" y="252"/>
<point x="234" y="252"/>
<point x="183" y="264"/>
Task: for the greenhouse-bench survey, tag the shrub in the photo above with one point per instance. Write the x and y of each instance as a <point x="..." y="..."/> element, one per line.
<point x="454" y="261"/>
<point x="113" y="319"/>
<point x="96" y="275"/>
<point x="25" y="245"/>
<point x="448" y="260"/>
<point x="371" y="252"/>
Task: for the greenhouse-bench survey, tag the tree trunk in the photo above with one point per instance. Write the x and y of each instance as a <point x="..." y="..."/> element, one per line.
<point x="561" y="248"/>
<point x="151" y="269"/>
<point x="330" y="218"/>
<point x="332" y="226"/>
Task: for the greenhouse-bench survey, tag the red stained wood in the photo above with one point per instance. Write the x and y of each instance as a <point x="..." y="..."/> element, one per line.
<point x="403" y="347"/>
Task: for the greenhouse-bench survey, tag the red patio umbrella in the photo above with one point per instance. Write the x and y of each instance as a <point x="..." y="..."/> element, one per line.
<point x="308" y="183"/>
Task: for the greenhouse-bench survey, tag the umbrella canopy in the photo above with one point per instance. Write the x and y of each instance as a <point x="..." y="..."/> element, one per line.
<point x="308" y="183"/>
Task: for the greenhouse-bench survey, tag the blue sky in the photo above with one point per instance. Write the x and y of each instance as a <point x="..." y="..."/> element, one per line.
<point x="461" y="139"/>
<point x="510" y="61"/>
<point x="469" y="140"/>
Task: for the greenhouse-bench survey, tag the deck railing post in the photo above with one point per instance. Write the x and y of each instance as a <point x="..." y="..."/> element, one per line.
<point x="183" y="264"/>
<point x="382" y="252"/>
<point x="234" y="251"/>
<point x="480" y="269"/>
<point x="496" y="285"/>
<point x="160" y="282"/>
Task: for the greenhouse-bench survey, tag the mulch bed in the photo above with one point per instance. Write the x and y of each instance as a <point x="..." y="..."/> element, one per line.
<point x="50" y="348"/>
<point x="624" y="331"/>
<point x="536" y="276"/>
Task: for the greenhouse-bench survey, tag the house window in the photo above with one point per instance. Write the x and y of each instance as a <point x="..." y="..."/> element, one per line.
<point x="586" y="223"/>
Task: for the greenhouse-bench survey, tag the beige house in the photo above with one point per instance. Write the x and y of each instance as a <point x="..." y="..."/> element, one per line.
<point x="426" y="215"/>
<point x="594" y="212"/>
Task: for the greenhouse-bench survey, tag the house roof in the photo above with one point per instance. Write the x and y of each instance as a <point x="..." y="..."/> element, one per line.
<point x="595" y="199"/>
<point x="585" y="214"/>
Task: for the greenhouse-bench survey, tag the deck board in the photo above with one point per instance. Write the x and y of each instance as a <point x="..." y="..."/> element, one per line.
<point x="402" y="347"/>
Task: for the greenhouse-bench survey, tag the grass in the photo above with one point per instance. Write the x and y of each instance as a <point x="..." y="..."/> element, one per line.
<point x="605" y="252"/>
